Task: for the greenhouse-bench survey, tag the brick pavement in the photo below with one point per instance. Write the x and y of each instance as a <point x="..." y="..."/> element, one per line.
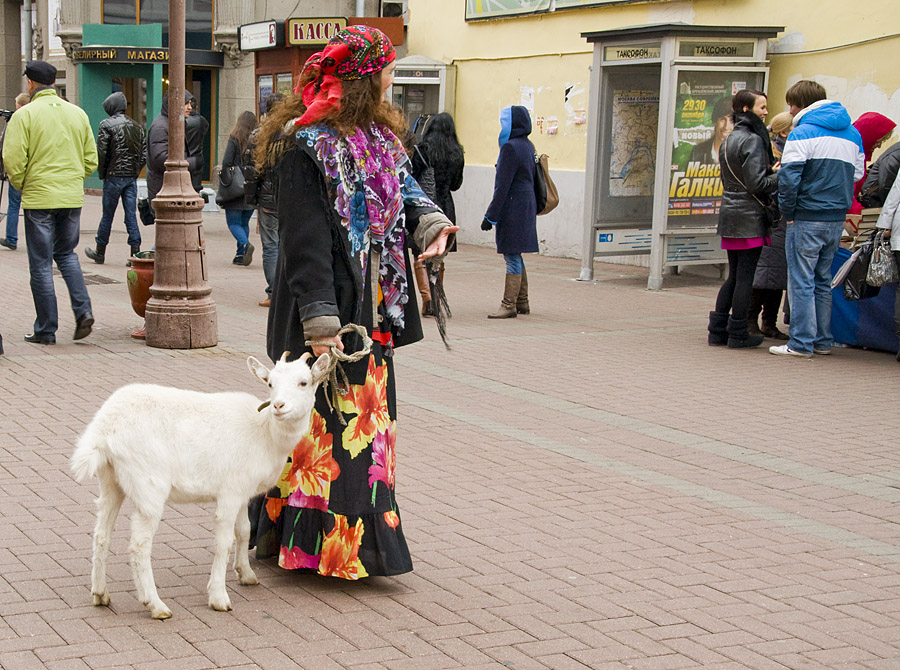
<point x="590" y="486"/>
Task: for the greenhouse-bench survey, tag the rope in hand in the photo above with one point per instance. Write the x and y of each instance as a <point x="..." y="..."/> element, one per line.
<point x="341" y="386"/>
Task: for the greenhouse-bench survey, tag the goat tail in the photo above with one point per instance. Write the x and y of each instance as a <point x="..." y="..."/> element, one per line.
<point x="88" y="457"/>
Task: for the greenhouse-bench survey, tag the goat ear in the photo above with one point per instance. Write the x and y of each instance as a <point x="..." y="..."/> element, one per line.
<point x="320" y="368"/>
<point x="258" y="369"/>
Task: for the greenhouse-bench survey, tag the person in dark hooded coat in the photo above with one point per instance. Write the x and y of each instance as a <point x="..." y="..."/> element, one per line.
<point x="121" y="145"/>
<point x="195" y="129"/>
<point x="513" y="209"/>
<point x="158" y="146"/>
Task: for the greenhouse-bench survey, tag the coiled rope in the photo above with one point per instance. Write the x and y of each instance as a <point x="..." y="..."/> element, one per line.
<point x="336" y="381"/>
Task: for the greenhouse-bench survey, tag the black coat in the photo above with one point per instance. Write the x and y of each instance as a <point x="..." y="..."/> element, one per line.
<point x="195" y="129"/>
<point x="121" y="143"/>
<point x="314" y="273"/>
<point x="513" y="207"/>
<point x="158" y="150"/>
<point x="753" y="182"/>
<point x="771" y="270"/>
<point x="235" y="157"/>
<point x="448" y="176"/>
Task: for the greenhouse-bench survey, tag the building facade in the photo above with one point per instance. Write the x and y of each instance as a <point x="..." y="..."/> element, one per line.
<point x="532" y="52"/>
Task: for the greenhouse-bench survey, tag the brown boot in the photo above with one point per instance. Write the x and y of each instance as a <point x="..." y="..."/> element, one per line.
<point x="510" y="293"/>
<point x="422" y="284"/>
<point x="522" y="299"/>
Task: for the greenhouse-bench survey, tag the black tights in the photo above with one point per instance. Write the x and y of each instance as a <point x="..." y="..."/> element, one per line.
<point x="734" y="296"/>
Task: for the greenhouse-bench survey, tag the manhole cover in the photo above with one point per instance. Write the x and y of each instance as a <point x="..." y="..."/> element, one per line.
<point x="91" y="279"/>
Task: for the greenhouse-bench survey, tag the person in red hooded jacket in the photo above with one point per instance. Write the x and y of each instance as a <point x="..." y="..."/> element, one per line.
<point x="874" y="128"/>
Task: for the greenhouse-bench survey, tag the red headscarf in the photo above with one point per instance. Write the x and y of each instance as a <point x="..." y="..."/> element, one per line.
<point x="872" y="126"/>
<point x="354" y="53"/>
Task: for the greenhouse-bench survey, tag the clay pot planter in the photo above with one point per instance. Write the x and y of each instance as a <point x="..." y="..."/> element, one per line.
<point x="140" y="278"/>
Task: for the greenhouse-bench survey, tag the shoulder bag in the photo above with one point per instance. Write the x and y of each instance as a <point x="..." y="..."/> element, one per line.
<point x="426" y="178"/>
<point x="231" y="187"/>
<point x="545" y="192"/>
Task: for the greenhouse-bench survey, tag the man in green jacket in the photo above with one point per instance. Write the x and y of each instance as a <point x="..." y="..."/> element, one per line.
<point x="48" y="151"/>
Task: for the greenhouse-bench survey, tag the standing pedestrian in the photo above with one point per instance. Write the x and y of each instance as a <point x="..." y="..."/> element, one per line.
<point x="121" y="149"/>
<point x="48" y="153"/>
<point x="513" y="208"/>
<point x="11" y="241"/>
<point x="237" y="211"/>
<point x="158" y="145"/>
<point x="267" y="207"/>
<point x="823" y="158"/>
<point x="440" y="150"/>
<point x="346" y="201"/>
<point x="195" y="129"/>
<point x="749" y="182"/>
<point x="875" y="129"/>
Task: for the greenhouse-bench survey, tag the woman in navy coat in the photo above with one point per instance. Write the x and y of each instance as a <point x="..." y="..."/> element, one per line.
<point x="513" y="209"/>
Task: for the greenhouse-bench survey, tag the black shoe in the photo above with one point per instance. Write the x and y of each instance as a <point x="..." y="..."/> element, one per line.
<point x="83" y="326"/>
<point x="248" y="254"/>
<point x="238" y="260"/>
<point x="98" y="256"/>
<point x="38" y="338"/>
<point x="6" y="243"/>
<point x="1" y="345"/>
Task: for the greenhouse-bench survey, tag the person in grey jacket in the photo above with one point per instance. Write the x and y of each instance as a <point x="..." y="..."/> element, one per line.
<point x="749" y="182"/>
<point x="121" y="146"/>
<point x="889" y="221"/>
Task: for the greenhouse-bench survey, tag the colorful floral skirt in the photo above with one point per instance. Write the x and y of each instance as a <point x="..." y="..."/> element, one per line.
<point x="333" y="509"/>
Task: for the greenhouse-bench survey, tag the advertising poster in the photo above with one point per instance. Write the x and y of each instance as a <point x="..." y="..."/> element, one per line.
<point x="632" y="156"/>
<point x="264" y="87"/>
<point x="702" y="122"/>
<point x="485" y="9"/>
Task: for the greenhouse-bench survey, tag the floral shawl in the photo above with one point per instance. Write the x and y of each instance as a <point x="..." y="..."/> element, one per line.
<point x="368" y="175"/>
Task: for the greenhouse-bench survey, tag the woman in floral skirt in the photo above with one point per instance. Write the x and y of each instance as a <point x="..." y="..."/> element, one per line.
<point x="346" y="202"/>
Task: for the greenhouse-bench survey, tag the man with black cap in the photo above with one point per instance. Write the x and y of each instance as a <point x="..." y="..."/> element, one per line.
<point x="48" y="151"/>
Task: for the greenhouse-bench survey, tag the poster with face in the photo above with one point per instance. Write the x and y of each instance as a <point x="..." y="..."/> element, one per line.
<point x="702" y="122"/>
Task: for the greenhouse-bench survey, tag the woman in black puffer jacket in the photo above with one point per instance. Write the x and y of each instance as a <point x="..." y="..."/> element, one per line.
<point x="749" y="182"/>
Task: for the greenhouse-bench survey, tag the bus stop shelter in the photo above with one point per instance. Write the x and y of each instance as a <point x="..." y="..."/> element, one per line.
<point x="659" y="104"/>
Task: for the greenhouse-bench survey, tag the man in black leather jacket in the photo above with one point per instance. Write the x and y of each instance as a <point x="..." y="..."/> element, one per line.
<point x="121" y="146"/>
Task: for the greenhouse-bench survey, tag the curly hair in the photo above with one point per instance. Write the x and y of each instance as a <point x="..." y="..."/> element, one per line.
<point x="361" y="105"/>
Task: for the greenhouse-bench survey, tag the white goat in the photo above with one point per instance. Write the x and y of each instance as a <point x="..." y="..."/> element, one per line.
<point x="152" y="444"/>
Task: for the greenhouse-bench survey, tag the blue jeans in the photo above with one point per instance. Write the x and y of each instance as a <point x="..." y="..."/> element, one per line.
<point x="514" y="264"/>
<point x="52" y="235"/>
<point x="268" y="235"/>
<point x="113" y="189"/>
<point x="810" y="248"/>
<point x="238" y="221"/>
<point x="12" y="215"/>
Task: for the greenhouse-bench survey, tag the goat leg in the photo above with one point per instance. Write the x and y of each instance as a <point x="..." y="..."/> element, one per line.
<point x="226" y="516"/>
<point x="108" y="505"/>
<point x="143" y="528"/>
<point x="242" y="538"/>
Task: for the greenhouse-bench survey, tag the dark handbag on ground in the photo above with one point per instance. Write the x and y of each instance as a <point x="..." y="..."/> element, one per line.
<point x="426" y="179"/>
<point x="145" y="211"/>
<point x="231" y="187"/>
<point x="882" y="265"/>
<point x="545" y="193"/>
<point x="855" y="286"/>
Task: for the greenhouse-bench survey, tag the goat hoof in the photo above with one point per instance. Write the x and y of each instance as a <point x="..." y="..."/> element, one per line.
<point x="247" y="577"/>
<point x="220" y="605"/>
<point x="161" y="612"/>
<point x="101" y="599"/>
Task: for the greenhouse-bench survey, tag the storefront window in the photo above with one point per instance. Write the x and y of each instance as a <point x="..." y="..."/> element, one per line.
<point x="198" y="18"/>
<point x="119" y="12"/>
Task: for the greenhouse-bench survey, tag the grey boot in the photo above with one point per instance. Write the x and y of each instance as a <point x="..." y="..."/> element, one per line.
<point x="510" y="293"/>
<point x="522" y="306"/>
<point x="718" y="335"/>
<point x="739" y="338"/>
<point x="98" y="256"/>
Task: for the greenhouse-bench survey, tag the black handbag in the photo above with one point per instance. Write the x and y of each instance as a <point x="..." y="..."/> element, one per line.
<point x="230" y="187"/>
<point x="426" y="179"/>
<point x="145" y="211"/>
<point x="855" y="286"/>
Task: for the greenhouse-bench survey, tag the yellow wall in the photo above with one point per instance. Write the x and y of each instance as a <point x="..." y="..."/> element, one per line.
<point x="546" y="54"/>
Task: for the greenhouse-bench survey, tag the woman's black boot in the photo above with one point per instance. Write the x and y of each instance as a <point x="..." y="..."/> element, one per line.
<point x="718" y="335"/>
<point x="739" y="338"/>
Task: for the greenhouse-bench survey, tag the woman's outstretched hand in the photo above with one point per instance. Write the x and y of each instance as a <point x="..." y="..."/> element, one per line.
<point x="439" y="246"/>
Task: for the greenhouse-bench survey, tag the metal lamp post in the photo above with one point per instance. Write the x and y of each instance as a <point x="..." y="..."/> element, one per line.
<point x="180" y="312"/>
